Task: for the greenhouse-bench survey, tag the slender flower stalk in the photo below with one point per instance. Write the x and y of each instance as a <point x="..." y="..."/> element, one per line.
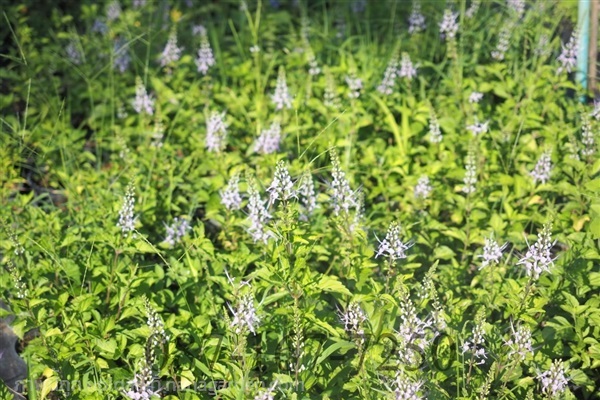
<point x="355" y="85"/>
<point x="477" y="128"/>
<point x="308" y="196"/>
<point x="423" y="188"/>
<point x="342" y="197"/>
<point x="257" y="214"/>
<point x="449" y="25"/>
<point x="539" y="256"/>
<point x="587" y="138"/>
<point x="177" y="230"/>
<point x="503" y="44"/>
<point x="470" y="178"/>
<point x="492" y="252"/>
<point x="230" y="196"/>
<point x="416" y="20"/>
<point x="126" y="217"/>
<point x="205" y="58"/>
<point x="269" y="140"/>
<point x="143" y="103"/>
<point x="216" y="132"/>
<point x="245" y="319"/>
<point x="407" y="70"/>
<point x="435" y="133"/>
<point x="386" y="86"/>
<point x="353" y="319"/>
<point x="520" y="344"/>
<point x="554" y="380"/>
<point x="171" y="52"/>
<point x="281" y="97"/>
<point x="392" y="246"/>
<point x="543" y="168"/>
<point x="282" y="187"/>
<point x="568" y="55"/>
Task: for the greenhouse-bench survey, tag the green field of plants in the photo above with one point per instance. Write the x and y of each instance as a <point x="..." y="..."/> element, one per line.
<point x="297" y="199"/>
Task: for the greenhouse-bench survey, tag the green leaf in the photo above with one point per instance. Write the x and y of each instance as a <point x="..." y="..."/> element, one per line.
<point x="330" y="283"/>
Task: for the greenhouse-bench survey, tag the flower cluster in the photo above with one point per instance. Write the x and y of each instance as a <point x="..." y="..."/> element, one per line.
<point x="423" y="188"/>
<point x="143" y="102"/>
<point x="587" y="138"/>
<point x="392" y="246"/>
<point x="539" y="257"/>
<point x="412" y="331"/>
<point x="257" y="214"/>
<point x="281" y="97"/>
<point x="517" y="6"/>
<point x="171" y="52"/>
<point x="269" y="139"/>
<point x="503" y="44"/>
<point x="478" y="128"/>
<point x="554" y="381"/>
<point x="205" y="58"/>
<point x="407" y="70"/>
<point x="449" y="25"/>
<point x="568" y="55"/>
<point x="158" y="335"/>
<point x="216" y="132"/>
<point x="435" y="133"/>
<point x="475" y="97"/>
<point x="492" y="252"/>
<point x="142" y="384"/>
<point x="355" y="85"/>
<point x="389" y="77"/>
<point x="543" y="168"/>
<point x="470" y="178"/>
<point x="282" y="187"/>
<point x="307" y="195"/>
<point x="473" y="8"/>
<point x="330" y="98"/>
<point x="406" y="389"/>
<point x="268" y="393"/>
<point x="113" y="11"/>
<point x="475" y="345"/>
<point x="416" y="20"/>
<point x="73" y="53"/>
<point x="121" y="56"/>
<point x="17" y="279"/>
<point x="520" y="343"/>
<point x="342" y="197"/>
<point x="178" y="229"/>
<point x="245" y="317"/>
<point x="126" y="217"/>
<point x="230" y="196"/>
<point x="353" y="319"/>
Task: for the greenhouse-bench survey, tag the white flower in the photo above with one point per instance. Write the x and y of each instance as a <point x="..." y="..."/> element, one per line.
<point x="407" y="389"/>
<point x="475" y="97"/>
<point x="230" y="196"/>
<point x="416" y="20"/>
<point x="282" y="187"/>
<point x="353" y="318"/>
<point x="423" y="188"/>
<point x="281" y="97"/>
<point x="244" y="315"/>
<point x="269" y="139"/>
<point x="267" y="394"/>
<point x="257" y="214"/>
<point x="308" y="197"/>
<point x="435" y="134"/>
<point x="355" y="85"/>
<point x="568" y="56"/>
<point x="392" y="246"/>
<point x="449" y="25"/>
<point x="472" y="10"/>
<point x="470" y="178"/>
<point x="539" y="257"/>
<point x="503" y="44"/>
<point x="177" y="230"/>
<point x="407" y="69"/>
<point x="121" y="56"/>
<point x="520" y="344"/>
<point x="587" y="139"/>
<point x="74" y="53"/>
<point x="205" y="58"/>
<point x="475" y="345"/>
<point x="216" y="132"/>
<point x="113" y="11"/>
<point x="389" y="77"/>
<point x="126" y="217"/>
<point x="517" y="6"/>
<point x="143" y="102"/>
<point x="492" y="252"/>
<point x="171" y="52"/>
<point x="342" y="197"/>
<point x="478" y="128"/>
<point x="596" y="112"/>
<point x="543" y="168"/>
<point x="554" y="381"/>
<point x="255" y="49"/>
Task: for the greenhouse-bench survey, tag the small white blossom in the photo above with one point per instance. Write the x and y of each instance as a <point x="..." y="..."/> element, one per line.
<point x="171" y="52"/>
<point x="538" y="258"/>
<point x="478" y="128"/>
<point x="473" y="8"/>
<point x="543" y="168"/>
<point x="492" y="252"/>
<point x="143" y="102"/>
<point x="142" y="385"/>
<point x="126" y="217"/>
<point x="407" y="389"/>
<point x="520" y="344"/>
<point x="596" y="111"/>
<point x="416" y="20"/>
<point x="281" y="97"/>
<point x="407" y="69"/>
<point x="449" y="25"/>
<point x="255" y="49"/>
<point x="342" y="197"/>
<point x="435" y="134"/>
<point x="269" y="139"/>
<point x="121" y="56"/>
<point x="392" y="246"/>
<point x="158" y="335"/>
<point x="178" y="229"/>
<point x="389" y="77"/>
<point x="353" y="319"/>
<point x="517" y="6"/>
<point x="198" y="29"/>
<point x="308" y="197"/>
<point x="503" y="44"/>
<point x="267" y="394"/>
<point x="475" y="97"/>
<point x="282" y="187"/>
<point x="355" y="85"/>
<point x="244" y="315"/>
<point x="74" y="53"/>
<point x="113" y="11"/>
<point x="230" y="196"/>
<point x="423" y="188"/>
<point x="216" y="132"/>
<point x="470" y="178"/>
<point x="475" y="345"/>
<point x="257" y="214"/>
<point x="205" y="58"/>
<point x="554" y="380"/>
<point x="568" y="55"/>
<point x="587" y="139"/>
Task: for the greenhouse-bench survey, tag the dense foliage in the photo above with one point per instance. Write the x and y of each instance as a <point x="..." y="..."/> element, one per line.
<point x="289" y="199"/>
